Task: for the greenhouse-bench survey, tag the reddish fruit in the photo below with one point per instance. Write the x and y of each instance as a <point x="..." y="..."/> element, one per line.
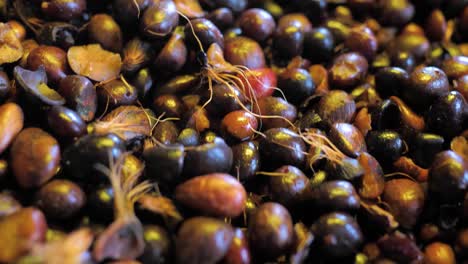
<point x="261" y="81"/>
<point x="216" y="194"/>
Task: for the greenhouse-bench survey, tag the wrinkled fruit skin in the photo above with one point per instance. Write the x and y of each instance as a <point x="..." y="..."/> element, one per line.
<point x="217" y="194"/>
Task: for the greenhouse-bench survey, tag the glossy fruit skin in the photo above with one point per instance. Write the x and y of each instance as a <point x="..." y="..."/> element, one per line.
<point x="188" y="137"/>
<point x="240" y="125"/>
<point x="336" y="106"/>
<point x="203" y="240"/>
<point x="339" y="30"/>
<point x="208" y="158"/>
<point x="282" y="146"/>
<point x="447" y="114"/>
<point x="173" y="56"/>
<point x="65" y="122"/>
<point x="5" y="87"/>
<point x="348" y="70"/>
<point x="61" y="199"/>
<point x="80" y="158"/>
<point x="403" y="60"/>
<point x="405" y="199"/>
<point x="21" y="230"/>
<point x="361" y="39"/>
<point x="455" y="67"/>
<point x="269" y="239"/>
<point x="127" y="12"/>
<point x="143" y="81"/>
<point x="289" y="41"/>
<point x="63" y="9"/>
<point x="245" y="160"/>
<point x="394" y="12"/>
<point x="214" y="194"/>
<point x="332" y="195"/>
<point x="296" y="84"/>
<point x="270" y="106"/>
<point x="239" y="252"/>
<point x="159" y="20"/>
<point x="391" y="81"/>
<point x="80" y="95"/>
<point x="464" y="18"/>
<point x="100" y="201"/>
<point x="448" y="176"/>
<point x="11" y="123"/>
<point x="158" y="245"/>
<point x="414" y="43"/>
<point x="262" y="82"/>
<point x="287" y="188"/>
<point x="319" y="44"/>
<point x="348" y="139"/>
<point x="425" y="85"/>
<point x="244" y="51"/>
<point x="117" y="93"/>
<point x="52" y="58"/>
<point x="385" y="145"/>
<point x="206" y="31"/>
<point x="104" y="30"/>
<point x="236" y="6"/>
<point x="436" y="25"/>
<point x="224" y="100"/>
<point x="166" y="132"/>
<point x="350" y="74"/>
<point x="400" y="248"/>
<point x="171" y="105"/>
<point x="439" y="253"/>
<point x="222" y="17"/>
<point x="372" y="183"/>
<point x="257" y="23"/>
<point x="298" y="20"/>
<point x="338" y="234"/>
<point x="35" y="157"/>
<point x="18" y="28"/>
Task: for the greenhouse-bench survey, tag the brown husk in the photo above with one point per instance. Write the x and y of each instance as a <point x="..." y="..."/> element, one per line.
<point x="123" y="239"/>
<point x="161" y="206"/>
<point x="460" y="146"/>
<point x="136" y="55"/>
<point x="11" y="49"/>
<point x="94" y="62"/>
<point x="72" y="249"/>
<point x="127" y="122"/>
